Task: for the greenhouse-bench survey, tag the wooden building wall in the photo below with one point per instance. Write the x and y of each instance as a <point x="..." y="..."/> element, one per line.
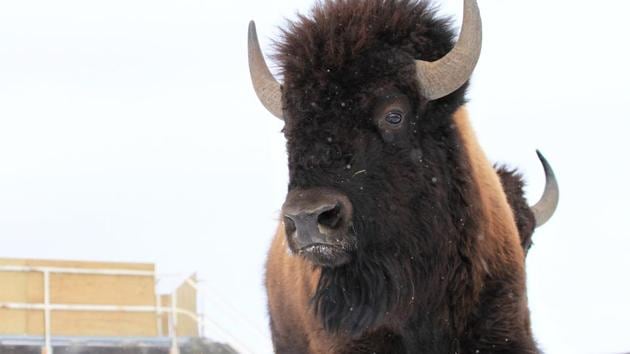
<point x="80" y="289"/>
<point x="186" y="296"/>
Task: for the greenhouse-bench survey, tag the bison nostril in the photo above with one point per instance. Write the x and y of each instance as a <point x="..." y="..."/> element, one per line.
<point x="289" y="225"/>
<point x="330" y="218"/>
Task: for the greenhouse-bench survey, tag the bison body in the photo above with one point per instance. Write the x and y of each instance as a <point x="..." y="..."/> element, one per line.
<point x="513" y="184"/>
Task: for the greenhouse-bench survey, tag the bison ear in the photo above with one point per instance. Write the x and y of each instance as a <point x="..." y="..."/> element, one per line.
<point x="543" y="210"/>
<point x="443" y="76"/>
<point x="268" y="90"/>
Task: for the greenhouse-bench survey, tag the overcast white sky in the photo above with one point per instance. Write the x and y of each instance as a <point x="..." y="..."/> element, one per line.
<point x="129" y="131"/>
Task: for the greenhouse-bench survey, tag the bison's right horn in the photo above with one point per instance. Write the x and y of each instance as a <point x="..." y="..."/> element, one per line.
<point x="546" y="206"/>
<point x="267" y="89"/>
<point x="443" y="76"/>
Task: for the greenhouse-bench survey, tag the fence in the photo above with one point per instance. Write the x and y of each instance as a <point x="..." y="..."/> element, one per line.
<point x="47" y="307"/>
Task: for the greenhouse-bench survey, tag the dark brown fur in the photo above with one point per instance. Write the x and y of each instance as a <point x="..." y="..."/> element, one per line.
<point x="438" y="266"/>
<point x="513" y="184"/>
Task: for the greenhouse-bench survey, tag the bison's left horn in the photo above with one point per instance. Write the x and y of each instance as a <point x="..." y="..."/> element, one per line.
<point x="441" y="77"/>
<point x="546" y="206"/>
<point x="267" y="88"/>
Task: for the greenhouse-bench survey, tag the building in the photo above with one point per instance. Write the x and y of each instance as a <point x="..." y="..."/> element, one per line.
<point x="55" y="305"/>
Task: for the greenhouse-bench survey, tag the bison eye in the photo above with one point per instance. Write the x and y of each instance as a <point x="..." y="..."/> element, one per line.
<point x="394" y="117"/>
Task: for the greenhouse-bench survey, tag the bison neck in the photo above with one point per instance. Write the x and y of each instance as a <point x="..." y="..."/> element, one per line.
<point x="459" y="318"/>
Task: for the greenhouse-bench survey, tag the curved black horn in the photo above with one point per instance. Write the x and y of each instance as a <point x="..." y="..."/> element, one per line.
<point x="443" y="76"/>
<point x="267" y="88"/>
<point x="546" y="206"/>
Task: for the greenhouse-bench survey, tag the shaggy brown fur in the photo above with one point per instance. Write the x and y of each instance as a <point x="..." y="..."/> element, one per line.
<point x="438" y="265"/>
<point x="513" y="184"/>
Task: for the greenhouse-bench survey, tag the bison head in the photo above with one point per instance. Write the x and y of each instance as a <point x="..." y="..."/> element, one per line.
<point x="366" y="100"/>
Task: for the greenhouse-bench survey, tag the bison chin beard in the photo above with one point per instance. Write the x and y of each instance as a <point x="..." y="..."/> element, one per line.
<point x="360" y="295"/>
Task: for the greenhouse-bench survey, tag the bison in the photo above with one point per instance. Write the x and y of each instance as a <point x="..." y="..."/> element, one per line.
<point x="396" y="233"/>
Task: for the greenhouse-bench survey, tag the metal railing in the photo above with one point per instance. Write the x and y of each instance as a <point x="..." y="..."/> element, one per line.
<point x="47" y="307"/>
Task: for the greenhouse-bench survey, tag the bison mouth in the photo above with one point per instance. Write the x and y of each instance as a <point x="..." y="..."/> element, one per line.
<point x="325" y="254"/>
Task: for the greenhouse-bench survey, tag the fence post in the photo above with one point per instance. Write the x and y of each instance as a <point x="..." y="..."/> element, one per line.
<point x="47" y="349"/>
<point x="158" y="309"/>
<point x="174" y="348"/>
<point x="173" y="324"/>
